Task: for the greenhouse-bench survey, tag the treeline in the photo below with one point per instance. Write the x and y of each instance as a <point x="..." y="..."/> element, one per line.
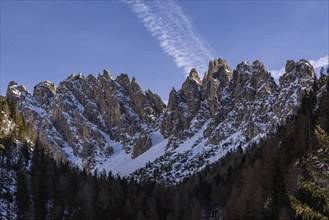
<point x="256" y="184"/>
<point x="47" y="189"/>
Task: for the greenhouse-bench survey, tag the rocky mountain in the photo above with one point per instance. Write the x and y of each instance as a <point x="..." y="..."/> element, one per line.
<point x="110" y="123"/>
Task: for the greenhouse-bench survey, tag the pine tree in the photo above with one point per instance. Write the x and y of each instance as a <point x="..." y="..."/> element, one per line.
<point x="22" y="194"/>
<point x="2" y="102"/>
<point x="39" y="184"/>
<point x="322" y="71"/>
<point x="1" y="116"/>
<point x="12" y="109"/>
<point x="312" y="202"/>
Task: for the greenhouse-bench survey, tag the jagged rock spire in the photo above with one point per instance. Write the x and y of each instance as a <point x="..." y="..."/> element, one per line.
<point x="44" y="92"/>
<point x="124" y="80"/>
<point x="297" y="70"/>
<point x="194" y="76"/>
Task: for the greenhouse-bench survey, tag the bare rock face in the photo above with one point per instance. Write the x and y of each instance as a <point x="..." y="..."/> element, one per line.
<point x="215" y="80"/>
<point x="295" y="70"/>
<point x="142" y="144"/>
<point x="124" y="80"/>
<point x="156" y="101"/>
<point x="294" y="84"/>
<point x="44" y="92"/>
<point x="15" y="92"/>
<point x="191" y="92"/>
<point x="32" y="111"/>
<point x="177" y="116"/>
<point x="183" y="106"/>
<point x="138" y="97"/>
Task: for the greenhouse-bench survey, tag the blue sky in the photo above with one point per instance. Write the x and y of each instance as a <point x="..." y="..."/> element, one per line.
<point x="156" y="43"/>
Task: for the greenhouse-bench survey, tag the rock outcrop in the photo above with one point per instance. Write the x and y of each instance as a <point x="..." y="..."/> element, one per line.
<point x="44" y="93"/>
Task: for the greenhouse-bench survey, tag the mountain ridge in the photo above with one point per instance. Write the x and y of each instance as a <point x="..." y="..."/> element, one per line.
<point x="110" y="123"/>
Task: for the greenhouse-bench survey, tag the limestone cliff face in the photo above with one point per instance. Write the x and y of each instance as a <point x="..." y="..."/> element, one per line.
<point x="101" y="122"/>
<point x="294" y="84"/>
<point x="215" y="80"/>
<point x="44" y="93"/>
<point x="182" y="107"/>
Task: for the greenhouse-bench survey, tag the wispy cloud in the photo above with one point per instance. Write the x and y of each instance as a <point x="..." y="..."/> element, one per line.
<point x="167" y="22"/>
<point x="322" y="61"/>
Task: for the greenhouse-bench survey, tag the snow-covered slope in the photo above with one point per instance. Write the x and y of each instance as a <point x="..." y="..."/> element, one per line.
<point x="106" y="123"/>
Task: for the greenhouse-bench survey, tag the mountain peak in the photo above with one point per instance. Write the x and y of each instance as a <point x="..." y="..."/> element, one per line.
<point x="218" y="66"/>
<point x="107" y="73"/>
<point x="45" y="84"/>
<point x="218" y="70"/>
<point x="194" y="76"/>
<point x="301" y="70"/>
<point x="290" y="65"/>
<point x="217" y="62"/>
<point x="123" y="79"/>
<point x="258" y="65"/>
<point x="135" y="88"/>
<point x="12" y="83"/>
<point x="44" y="92"/>
<point x="244" y="67"/>
<point x="14" y="90"/>
<point x="133" y="80"/>
<point x="305" y="67"/>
